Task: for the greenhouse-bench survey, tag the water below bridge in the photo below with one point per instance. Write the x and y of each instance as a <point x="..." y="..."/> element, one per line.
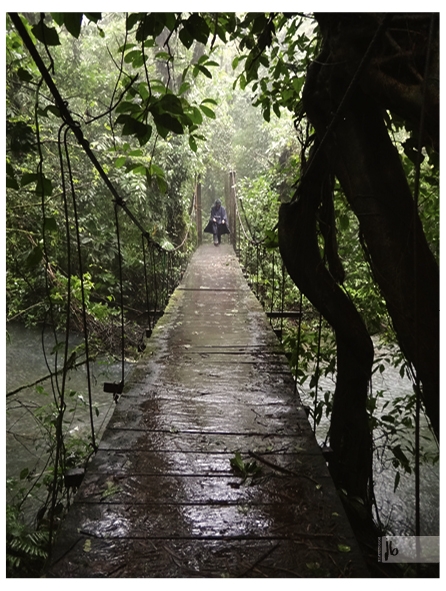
<point x="161" y="497"/>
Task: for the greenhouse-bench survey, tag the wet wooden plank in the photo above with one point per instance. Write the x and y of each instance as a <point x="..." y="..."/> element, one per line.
<point x="161" y="499"/>
<point x="138" y="558"/>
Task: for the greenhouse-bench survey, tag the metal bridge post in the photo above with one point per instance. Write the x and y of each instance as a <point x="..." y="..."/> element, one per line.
<point x="198" y="213"/>
<point x="232" y="210"/>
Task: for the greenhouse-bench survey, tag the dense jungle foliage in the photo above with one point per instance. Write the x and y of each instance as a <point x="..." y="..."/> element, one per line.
<point x="164" y="101"/>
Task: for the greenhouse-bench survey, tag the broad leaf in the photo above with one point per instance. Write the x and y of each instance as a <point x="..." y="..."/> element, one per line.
<point x="27" y="178"/>
<point x="193" y="143"/>
<point x="73" y="23"/>
<point x="93" y="16"/>
<point x="50" y="225"/>
<point x="34" y="257"/>
<point x="45" y="34"/>
<point x="207" y="111"/>
<point x="169" y="123"/>
<point x="119" y="162"/>
<point x="171" y="103"/>
<point x="24" y="75"/>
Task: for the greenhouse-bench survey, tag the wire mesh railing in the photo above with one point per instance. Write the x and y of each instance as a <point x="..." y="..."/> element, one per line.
<point x="72" y="304"/>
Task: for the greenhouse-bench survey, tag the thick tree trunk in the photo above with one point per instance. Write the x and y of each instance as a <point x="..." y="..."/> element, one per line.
<point x="350" y="436"/>
<point x="371" y="174"/>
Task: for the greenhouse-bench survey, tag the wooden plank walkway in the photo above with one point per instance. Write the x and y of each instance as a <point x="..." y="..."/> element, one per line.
<point x="161" y="499"/>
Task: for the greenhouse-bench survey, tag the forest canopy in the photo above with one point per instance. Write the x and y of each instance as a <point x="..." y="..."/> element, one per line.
<point x="331" y="124"/>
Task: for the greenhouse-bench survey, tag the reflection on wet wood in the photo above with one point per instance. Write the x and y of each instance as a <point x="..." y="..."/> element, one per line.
<point x="161" y="497"/>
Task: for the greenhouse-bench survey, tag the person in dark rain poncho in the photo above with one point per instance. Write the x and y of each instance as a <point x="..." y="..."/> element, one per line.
<point x="218" y="222"/>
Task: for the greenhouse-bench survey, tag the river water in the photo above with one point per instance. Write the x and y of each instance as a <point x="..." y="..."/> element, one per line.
<point x="26" y="441"/>
<point x="396" y="507"/>
<point x="26" y="438"/>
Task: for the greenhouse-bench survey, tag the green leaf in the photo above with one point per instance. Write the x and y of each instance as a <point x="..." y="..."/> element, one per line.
<point x="237" y="60"/>
<point x="344" y="222"/>
<point x="141" y="169"/>
<point x="162" y="185"/>
<point x="152" y="25"/>
<point x="163" y="55"/>
<point x="50" y="225"/>
<point x="184" y="88"/>
<point x="400" y="455"/>
<point x="259" y="24"/>
<point x="208" y="112"/>
<point x="171" y="103"/>
<point x="11" y="183"/>
<point x="313" y="565"/>
<point x="209" y="100"/>
<point x="24" y="75"/>
<point x="193" y="144"/>
<point x="24" y="473"/>
<point x="344" y="548"/>
<point x="58" y="17"/>
<point x="237" y="462"/>
<point x="205" y="71"/>
<point x="119" y="162"/>
<point x="87" y="546"/>
<point x="45" y="34"/>
<point x="52" y="109"/>
<point x="157" y="170"/>
<point x="196" y="116"/>
<point x="126" y="47"/>
<point x="143" y="90"/>
<point x="186" y="38"/>
<point x="27" y="178"/>
<point x="73" y="23"/>
<point x="139" y="60"/>
<point x="93" y="16"/>
<point x="128" y="107"/>
<point x="131" y="21"/>
<point x="112" y="489"/>
<point x="168" y="122"/>
<point x="131" y="55"/>
<point x="143" y="139"/>
<point x="34" y="257"/>
<point x="271" y="239"/>
<point x="267" y="112"/>
<point x="197" y="28"/>
<point x="133" y="127"/>
<point x="397" y="481"/>
<point x="44" y="187"/>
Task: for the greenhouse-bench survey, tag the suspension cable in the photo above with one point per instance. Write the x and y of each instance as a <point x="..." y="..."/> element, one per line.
<point x="191" y="221"/>
<point x="146" y="284"/>
<point x="317" y="371"/>
<point x="250" y="240"/>
<point x="81" y="274"/>
<point x="60" y="403"/>
<point x="299" y="330"/>
<point x="273" y="283"/>
<point x="155" y="279"/>
<point x="121" y="296"/>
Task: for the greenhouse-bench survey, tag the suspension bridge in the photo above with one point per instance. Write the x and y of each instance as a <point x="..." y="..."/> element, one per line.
<point x="208" y="467"/>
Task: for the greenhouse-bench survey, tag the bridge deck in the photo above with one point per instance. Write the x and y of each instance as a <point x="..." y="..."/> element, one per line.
<point x="161" y="499"/>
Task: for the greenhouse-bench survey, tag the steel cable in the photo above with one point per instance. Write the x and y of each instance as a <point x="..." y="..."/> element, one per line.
<point x="81" y="274"/>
